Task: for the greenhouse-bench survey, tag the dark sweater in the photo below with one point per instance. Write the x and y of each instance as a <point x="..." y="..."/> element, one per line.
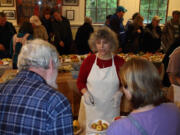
<point x="82" y="37"/>
<point x="6" y="34"/>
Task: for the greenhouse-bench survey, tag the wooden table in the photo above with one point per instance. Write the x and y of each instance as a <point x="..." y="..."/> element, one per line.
<point x="66" y="85"/>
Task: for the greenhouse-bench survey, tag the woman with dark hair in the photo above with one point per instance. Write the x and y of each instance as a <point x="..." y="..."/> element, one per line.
<point x="25" y="33"/>
<point x="152" y="36"/>
<point x="130" y="21"/>
<point x="141" y="84"/>
<point x="134" y="35"/>
<point x="47" y="22"/>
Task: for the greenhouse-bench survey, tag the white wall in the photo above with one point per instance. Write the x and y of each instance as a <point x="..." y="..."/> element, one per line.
<point x="10" y="8"/>
<point x="79" y="12"/>
<point x="131" y="5"/>
<point x="173" y="5"/>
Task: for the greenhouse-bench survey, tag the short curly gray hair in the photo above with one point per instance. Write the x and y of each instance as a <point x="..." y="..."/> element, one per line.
<point x="37" y="53"/>
<point x="104" y="33"/>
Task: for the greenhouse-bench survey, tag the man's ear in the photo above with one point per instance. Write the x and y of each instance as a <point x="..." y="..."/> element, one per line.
<point x="51" y="65"/>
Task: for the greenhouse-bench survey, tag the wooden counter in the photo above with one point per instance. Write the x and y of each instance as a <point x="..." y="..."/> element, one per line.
<point x="66" y="85"/>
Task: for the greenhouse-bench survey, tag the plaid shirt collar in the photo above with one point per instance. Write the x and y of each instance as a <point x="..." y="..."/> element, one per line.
<point x="31" y="75"/>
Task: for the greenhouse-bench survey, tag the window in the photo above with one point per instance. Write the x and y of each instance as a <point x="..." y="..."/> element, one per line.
<point x="150" y="8"/>
<point x="99" y="9"/>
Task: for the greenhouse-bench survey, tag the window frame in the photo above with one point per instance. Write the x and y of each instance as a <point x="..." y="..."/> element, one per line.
<point x="117" y="3"/>
<point x="157" y="11"/>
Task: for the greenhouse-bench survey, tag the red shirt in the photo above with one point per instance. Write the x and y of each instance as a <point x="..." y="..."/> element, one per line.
<point x="88" y="63"/>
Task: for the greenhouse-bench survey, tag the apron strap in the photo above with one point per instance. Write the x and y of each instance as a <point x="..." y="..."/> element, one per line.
<point x="137" y="125"/>
<point x="112" y="59"/>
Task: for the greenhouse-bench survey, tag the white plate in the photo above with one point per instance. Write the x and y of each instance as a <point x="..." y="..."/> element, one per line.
<point x="94" y="130"/>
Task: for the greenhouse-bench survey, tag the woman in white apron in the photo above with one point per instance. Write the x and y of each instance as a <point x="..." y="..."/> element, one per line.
<point x="98" y="80"/>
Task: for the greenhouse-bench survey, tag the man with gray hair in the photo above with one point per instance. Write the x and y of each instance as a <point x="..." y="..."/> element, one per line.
<point x="29" y="104"/>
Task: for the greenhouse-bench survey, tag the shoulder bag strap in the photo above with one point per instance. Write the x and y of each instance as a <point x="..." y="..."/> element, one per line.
<point x="137" y="125"/>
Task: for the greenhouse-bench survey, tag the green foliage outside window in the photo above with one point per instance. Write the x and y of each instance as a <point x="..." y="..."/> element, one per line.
<point x="99" y="9"/>
<point x="150" y="8"/>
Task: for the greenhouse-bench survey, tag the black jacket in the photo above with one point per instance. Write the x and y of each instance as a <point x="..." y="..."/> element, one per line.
<point x="48" y="25"/>
<point x="6" y="34"/>
<point x="165" y="61"/>
<point x="134" y="39"/>
<point x="82" y="37"/>
<point x="151" y="43"/>
<point x="62" y="32"/>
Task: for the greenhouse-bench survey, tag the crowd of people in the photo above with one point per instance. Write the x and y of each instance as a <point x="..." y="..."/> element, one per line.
<point x="52" y="27"/>
<point x="135" y="37"/>
<point x="30" y="103"/>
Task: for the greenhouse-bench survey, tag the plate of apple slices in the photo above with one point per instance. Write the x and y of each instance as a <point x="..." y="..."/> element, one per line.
<point x="99" y="126"/>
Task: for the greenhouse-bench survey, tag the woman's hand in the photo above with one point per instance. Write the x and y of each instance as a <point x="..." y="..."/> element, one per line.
<point x="2" y="47"/>
<point x="138" y="31"/>
<point x="88" y="98"/>
<point x="117" y="98"/>
<point x="61" y="43"/>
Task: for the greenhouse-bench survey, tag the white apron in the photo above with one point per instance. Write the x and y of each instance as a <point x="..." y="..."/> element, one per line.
<point x="102" y="83"/>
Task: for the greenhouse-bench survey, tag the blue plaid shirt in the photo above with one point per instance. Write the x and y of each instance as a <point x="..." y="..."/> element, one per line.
<point x="28" y="106"/>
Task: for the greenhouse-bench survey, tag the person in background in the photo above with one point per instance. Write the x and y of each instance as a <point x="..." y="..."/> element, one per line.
<point x="62" y="31"/>
<point x="165" y="61"/>
<point x="151" y="114"/>
<point x="135" y="35"/>
<point x="116" y="24"/>
<point x="130" y="21"/>
<point x="7" y="31"/>
<point x="47" y="22"/>
<point x="98" y="79"/>
<point x="39" y="31"/>
<point x="173" y="71"/>
<point x="107" y="22"/>
<point x="171" y="31"/>
<point x="82" y="36"/>
<point x="25" y="33"/>
<point x="152" y="36"/>
<point x="29" y="103"/>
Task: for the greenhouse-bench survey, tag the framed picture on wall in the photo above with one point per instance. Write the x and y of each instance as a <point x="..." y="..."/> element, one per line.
<point x="70" y="2"/>
<point x="6" y="3"/>
<point x="70" y="14"/>
<point x="10" y="14"/>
